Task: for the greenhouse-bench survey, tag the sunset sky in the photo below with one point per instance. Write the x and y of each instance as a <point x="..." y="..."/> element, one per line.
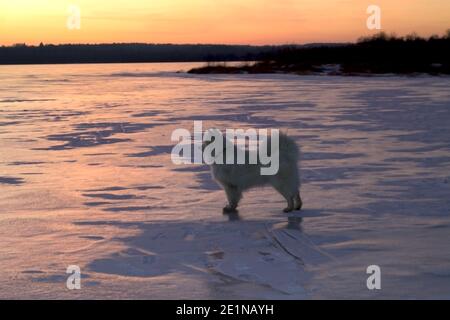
<point x="214" y="21"/>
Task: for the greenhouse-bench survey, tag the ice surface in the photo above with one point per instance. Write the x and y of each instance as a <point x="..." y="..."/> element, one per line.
<point x="86" y="179"/>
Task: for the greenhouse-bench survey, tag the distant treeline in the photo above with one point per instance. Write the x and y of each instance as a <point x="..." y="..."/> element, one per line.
<point x="109" y="53"/>
<point x="379" y="54"/>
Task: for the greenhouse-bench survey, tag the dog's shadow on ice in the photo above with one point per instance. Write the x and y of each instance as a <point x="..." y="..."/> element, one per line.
<point x="266" y="252"/>
<point x="161" y="248"/>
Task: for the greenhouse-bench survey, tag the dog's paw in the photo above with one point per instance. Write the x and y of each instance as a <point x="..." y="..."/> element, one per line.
<point x="228" y="209"/>
<point x="288" y="210"/>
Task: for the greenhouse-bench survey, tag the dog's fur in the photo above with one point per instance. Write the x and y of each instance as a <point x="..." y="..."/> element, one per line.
<point x="236" y="178"/>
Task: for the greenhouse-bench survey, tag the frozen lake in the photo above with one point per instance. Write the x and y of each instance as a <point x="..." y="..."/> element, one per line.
<point x="86" y="179"/>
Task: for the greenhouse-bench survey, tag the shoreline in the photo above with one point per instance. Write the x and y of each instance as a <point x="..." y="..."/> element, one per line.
<point x="312" y="70"/>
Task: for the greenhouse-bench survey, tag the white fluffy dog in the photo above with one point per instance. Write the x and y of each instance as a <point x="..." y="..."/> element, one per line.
<point x="236" y="178"/>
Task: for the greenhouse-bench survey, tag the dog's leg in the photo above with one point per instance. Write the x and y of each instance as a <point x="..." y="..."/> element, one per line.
<point x="290" y="202"/>
<point x="287" y="195"/>
<point x="233" y="196"/>
<point x="298" y="202"/>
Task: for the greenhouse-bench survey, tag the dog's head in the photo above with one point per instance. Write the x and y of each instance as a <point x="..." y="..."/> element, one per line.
<point x="210" y="136"/>
<point x="215" y="136"/>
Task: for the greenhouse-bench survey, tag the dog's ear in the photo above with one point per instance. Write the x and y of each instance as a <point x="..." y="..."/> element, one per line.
<point x="213" y="132"/>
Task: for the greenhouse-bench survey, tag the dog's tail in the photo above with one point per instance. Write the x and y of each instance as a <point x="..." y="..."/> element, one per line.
<point x="288" y="148"/>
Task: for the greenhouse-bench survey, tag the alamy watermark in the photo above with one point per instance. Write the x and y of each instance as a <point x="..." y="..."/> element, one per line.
<point x="213" y="147"/>
<point x="374" y="280"/>
<point x="73" y="282"/>
<point x="74" y="18"/>
<point x="373" y="22"/>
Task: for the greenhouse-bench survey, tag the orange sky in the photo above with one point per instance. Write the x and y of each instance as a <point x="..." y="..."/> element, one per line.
<point x="214" y="21"/>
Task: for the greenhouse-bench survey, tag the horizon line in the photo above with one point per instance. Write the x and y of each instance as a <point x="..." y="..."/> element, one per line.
<point x="168" y="43"/>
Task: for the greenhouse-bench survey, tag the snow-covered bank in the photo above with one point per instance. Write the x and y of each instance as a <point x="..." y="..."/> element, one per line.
<point x="86" y="179"/>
